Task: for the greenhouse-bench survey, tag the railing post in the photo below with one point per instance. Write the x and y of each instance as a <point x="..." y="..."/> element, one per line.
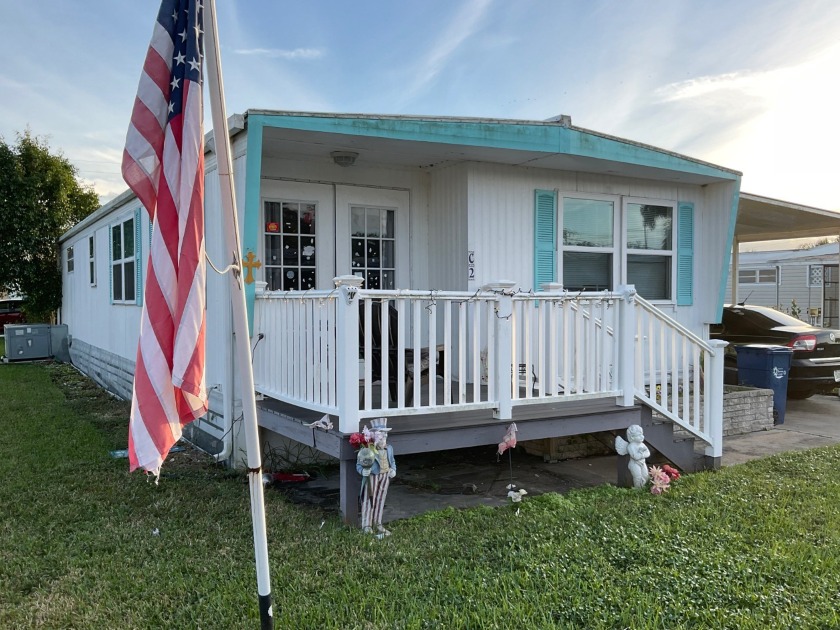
<point x="347" y="353"/>
<point x="627" y="345"/>
<point x="713" y="381"/>
<point x="504" y="349"/>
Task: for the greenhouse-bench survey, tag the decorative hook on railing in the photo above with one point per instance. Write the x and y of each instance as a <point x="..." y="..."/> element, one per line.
<point x="432" y="302"/>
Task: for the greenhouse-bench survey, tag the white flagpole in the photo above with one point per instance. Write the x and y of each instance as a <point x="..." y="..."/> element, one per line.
<point x="242" y="349"/>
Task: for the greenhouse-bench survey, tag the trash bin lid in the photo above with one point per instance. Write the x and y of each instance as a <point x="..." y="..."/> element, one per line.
<point x="765" y="348"/>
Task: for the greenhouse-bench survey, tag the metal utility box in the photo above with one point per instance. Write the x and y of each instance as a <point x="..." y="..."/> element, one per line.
<point x="28" y="342"/>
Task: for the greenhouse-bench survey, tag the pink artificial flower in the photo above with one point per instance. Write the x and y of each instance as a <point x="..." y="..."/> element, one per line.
<point x="659" y="480"/>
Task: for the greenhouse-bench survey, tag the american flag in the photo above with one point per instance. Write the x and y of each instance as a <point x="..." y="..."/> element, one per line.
<point x="163" y="163"/>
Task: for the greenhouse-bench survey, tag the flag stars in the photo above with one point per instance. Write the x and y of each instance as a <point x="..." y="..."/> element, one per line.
<point x="175" y="83"/>
<point x="183" y="35"/>
<point x="179" y="58"/>
<point x="195" y="64"/>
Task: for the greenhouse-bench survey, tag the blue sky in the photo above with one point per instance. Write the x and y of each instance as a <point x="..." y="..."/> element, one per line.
<point x="752" y="85"/>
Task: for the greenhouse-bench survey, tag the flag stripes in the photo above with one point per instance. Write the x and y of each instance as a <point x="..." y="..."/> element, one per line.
<point x="163" y="163"/>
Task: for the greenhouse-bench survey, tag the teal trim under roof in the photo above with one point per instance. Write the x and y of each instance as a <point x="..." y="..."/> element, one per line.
<point x="544" y="137"/>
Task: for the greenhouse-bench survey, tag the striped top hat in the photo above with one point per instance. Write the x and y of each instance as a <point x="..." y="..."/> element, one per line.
<point x="379" y="424"/>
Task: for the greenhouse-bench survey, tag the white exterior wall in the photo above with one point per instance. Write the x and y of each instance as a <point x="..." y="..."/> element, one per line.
<point x="114" y="329"/>
<point x="501" y="226"/>
<point x="448" y="230"/>
<point x="87" y="310"/>
<point x="218" y="289"/>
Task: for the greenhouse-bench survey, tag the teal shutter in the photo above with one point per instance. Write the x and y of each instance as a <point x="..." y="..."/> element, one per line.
<point x="545" y="237"/>
<point x="685" y="254"/>
<point x="138" y="259"/>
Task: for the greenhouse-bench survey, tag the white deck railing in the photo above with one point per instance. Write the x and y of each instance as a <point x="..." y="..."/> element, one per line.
<point x="359" y="354"/>
<point x="681" y="376"/>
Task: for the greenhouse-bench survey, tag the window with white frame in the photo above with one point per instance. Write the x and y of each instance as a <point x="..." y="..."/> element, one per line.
<point x="589" y="228"/>
<point x="650" y="248"/>
<point x="92" y="260"/>
<point x="767" y="275"/>
<point x="123" y="263"/>
<point x="70" y="259"/>
<point x="815" y="275"/>
<point x="290" y="245"/>
<point x="608" y="241"/>
<point x="373" y="246"/>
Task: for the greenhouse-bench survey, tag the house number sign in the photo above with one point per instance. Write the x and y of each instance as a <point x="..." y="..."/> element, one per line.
<point x="471" y="265"/>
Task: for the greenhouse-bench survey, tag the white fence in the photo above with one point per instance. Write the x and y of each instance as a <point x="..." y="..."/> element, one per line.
<point x="359" y="354"/>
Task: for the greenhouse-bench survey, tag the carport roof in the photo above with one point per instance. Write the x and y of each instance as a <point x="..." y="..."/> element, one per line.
<point x="766" y="219"/>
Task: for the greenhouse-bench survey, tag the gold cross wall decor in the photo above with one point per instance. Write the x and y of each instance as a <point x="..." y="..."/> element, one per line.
<point x="250" y="264"/>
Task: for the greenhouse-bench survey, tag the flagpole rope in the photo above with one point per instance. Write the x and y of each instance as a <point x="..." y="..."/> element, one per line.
<point x="230" y="267"/>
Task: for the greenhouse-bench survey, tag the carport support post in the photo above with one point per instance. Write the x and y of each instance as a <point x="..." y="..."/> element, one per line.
<point x="627" y="346"/>
<point x="714" y="396"/>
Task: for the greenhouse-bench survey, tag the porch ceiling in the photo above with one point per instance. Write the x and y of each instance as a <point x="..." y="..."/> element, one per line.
<point x="281" y="142"/>
<point x="765" y="219"/>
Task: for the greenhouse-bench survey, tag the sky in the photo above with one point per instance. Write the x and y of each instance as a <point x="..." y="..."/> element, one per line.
<point x="751" y="85"/>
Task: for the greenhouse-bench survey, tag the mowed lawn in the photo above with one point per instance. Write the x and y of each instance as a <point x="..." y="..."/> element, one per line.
<point x="85" y="544"/>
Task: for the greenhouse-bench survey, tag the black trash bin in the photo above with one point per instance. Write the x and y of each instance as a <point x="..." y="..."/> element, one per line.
<point x="766" y="366"/>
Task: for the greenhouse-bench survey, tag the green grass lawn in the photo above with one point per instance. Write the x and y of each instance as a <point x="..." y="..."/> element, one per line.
<point x="85" y="544"/>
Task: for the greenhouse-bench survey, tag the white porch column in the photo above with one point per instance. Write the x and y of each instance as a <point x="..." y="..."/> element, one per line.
<point x="714" y="396"/>
<point x="504" y="349"/>
<point x="347" y="353"/>
<point x="627" y="345"/>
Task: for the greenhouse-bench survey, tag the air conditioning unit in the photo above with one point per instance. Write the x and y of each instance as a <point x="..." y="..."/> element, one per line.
<point x="27" y="342"/>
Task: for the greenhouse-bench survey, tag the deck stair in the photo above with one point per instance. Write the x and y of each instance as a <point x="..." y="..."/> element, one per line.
<point x="680" y="450"/>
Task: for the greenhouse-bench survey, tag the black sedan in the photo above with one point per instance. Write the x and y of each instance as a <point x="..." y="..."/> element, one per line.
<point x="815" y="364"/>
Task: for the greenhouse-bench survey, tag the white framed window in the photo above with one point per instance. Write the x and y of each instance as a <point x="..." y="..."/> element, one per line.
<point x="649" y="242"/>
<point x="610" y="240"/>
<point x="290" y="245"/>
<point x="589" y="226"/>
<point x="766" y="275"/>
<point x="815" y="275"/>
<point x="71" y="264"/>
<point x="92" y="260"/>
<point x="123" y="262"/>
<point x="373" y="246"/>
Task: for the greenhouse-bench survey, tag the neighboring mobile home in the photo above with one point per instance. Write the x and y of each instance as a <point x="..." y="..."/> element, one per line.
<point x="495" y="257"/>
<point x="803" y="280"/>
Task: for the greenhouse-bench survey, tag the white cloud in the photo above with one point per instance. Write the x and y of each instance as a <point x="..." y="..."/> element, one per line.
<point x="462" y="26"/>
<point x="280" y="53"/>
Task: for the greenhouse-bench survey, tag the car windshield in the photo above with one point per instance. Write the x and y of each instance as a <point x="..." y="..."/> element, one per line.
<point x="765" y="317"/>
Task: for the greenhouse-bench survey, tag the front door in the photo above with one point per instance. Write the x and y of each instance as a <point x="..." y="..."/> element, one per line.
<point x="372" y="236"/>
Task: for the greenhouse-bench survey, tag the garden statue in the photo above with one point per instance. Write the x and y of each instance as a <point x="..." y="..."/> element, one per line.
<point x="635" y="447"/>
<point x="375" y="463"/>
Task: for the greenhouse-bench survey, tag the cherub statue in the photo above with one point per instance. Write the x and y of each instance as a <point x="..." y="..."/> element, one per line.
<point x="377" y="467"/>
<point x="635" y="447"/>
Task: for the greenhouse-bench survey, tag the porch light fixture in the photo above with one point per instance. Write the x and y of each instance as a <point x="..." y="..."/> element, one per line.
<point x="344" y="158"/>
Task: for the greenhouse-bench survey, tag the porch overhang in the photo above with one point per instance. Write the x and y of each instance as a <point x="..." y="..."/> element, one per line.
<point x="766" y="219"/>
<point x="427" y="141"/>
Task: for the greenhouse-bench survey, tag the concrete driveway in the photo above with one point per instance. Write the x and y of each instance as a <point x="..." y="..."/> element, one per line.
<point x="808" y="424"/>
